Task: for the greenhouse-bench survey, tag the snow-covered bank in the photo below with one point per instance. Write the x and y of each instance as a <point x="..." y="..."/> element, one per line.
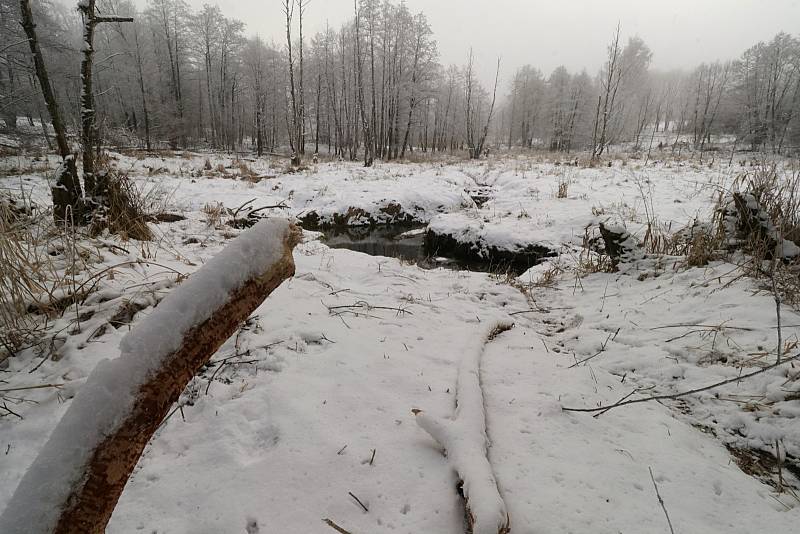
<point x="544" y="205"/>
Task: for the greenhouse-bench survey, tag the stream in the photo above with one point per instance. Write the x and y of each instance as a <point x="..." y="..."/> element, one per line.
<point x="404" y="242"/>
<point x="408" y="243"/>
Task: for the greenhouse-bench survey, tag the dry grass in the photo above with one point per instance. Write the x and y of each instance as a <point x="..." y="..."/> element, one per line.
<point x="777" y="191"/>
<point x="38" y="267"/>
<point x="213" y="214"/>
<point x="550" y="277"/>
<point x="563" y="187"/>
<point x="593" y="257"/>
<point x="127" y="210"/>
<point x="247" y="173"/>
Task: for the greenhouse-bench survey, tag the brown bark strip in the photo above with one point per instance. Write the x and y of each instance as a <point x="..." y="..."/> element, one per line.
<point x="88" y="509"/>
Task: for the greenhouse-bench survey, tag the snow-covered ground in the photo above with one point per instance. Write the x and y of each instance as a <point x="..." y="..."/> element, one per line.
<point x="310" y="404"/>
<point x="525" y="207"/>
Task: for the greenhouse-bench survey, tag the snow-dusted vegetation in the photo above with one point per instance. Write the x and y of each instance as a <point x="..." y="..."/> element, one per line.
<point x="522" y="303"/>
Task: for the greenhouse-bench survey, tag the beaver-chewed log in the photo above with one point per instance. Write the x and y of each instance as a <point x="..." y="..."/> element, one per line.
<point x="76" y="480"/>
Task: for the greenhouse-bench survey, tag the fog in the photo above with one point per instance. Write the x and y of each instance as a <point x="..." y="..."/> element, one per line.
<point x="546" y="34"/>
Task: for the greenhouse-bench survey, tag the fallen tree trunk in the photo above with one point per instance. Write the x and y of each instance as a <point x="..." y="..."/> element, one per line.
<point x="78" y="477"/>
<point x="465" y="440"/>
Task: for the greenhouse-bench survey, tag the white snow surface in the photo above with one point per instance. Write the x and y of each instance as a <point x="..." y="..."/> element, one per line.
<point x="110" y="390"/>
<point x="284" y="422"/>
<point x="524" y="207"/>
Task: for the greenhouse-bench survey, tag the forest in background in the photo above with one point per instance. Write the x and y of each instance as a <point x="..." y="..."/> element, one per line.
<point x="179" y="77"/>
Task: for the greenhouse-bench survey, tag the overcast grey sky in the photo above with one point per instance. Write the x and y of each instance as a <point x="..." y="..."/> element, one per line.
<point x="548" y="33"/>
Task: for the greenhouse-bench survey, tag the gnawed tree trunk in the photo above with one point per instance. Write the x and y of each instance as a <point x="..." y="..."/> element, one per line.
<point x="67" y="198"/>
<point x="77" y="479"/>
<point x="756" y="230"/>
<point x="621" y="246"/>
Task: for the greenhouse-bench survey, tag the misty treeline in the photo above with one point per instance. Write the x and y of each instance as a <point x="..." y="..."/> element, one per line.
<point x="374" y="87"/>
<point x="753" y="101"/>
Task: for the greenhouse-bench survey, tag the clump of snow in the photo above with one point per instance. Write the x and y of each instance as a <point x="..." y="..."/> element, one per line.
<point x="110" y="391"/>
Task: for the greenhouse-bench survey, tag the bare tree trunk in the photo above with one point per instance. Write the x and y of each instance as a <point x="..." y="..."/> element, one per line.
<point x="368" y="141"/>
<point x="485" y="132"/>
<point x="316" y="127"/>
<point x="610" y="87"/>
<point x="67" y="202"/>
<point x="301" y="134"/>
<point x="44" y="81"/>
<point x="88" y="127"/>
<point x="594" y="130"/>
<point x="142" y="90"/>
<point x="412" y="101"/>
<point x="295" y="128"/>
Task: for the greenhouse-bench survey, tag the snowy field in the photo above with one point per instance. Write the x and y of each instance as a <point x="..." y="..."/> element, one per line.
<point x="307" y="410"/>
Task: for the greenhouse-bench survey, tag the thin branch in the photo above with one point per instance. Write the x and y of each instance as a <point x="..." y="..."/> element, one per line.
<point x="358" y="501"/>
<point x="336" y="527"/>
<point x="661" y="501"/>
<point x="42" y="386"/>
<point x="684" y="393"/>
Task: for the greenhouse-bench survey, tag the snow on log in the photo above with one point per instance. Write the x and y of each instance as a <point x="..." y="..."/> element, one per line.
<point x="465" y="440"/>
<point x="76" y="480"/>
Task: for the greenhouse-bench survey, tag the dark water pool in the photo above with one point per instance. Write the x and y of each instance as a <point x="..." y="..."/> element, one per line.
<point x="395" y="241"/>
<point x="407" y="243"/>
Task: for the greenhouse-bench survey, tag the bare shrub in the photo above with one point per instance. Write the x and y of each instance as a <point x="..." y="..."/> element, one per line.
<point x="593" y="257"/>
<point x="213" y="214"/>
<point x="563" y="187"/>
<point x="549" y="278"/>
<point x="125" y="212"/>
<point x="777" y="193"/>
<point x="772" y="197"/>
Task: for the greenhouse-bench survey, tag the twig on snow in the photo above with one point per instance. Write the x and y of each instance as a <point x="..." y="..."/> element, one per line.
<point x="623" y="402"/>
<point x="708" y="326"/>
<point x="362" y="304"/>
<point x="661" y="501"/>
<point x="610" y="337"/>
<point x="358" y="501"/>
<point x="42" y="386"/>
<point x="10" y="411"/>
<point x="336" y="527"/>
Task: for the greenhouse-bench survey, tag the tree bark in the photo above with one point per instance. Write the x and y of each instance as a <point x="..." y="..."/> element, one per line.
<point x="67" y="191"/>
<point x="88" y="128"/>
